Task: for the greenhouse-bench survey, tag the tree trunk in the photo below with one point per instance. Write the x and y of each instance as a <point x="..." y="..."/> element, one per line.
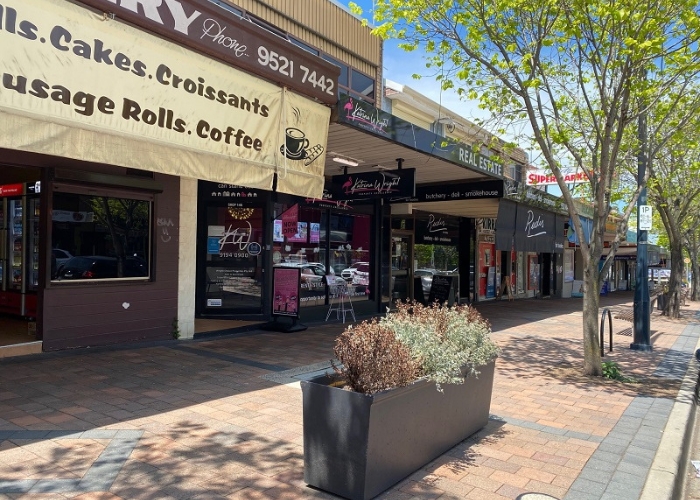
<point x="672" y="307"/>
<point x="592" y="364"/>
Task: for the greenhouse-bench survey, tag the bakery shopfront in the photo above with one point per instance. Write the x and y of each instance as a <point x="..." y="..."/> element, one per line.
<point x="117" y="110"/>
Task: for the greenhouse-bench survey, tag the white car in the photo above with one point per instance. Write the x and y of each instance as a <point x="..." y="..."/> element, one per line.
<point x="361" y="275"/>
<point x="348" y="273"/>
<point x="61" y="256"/>
<point x="426" y="278"/>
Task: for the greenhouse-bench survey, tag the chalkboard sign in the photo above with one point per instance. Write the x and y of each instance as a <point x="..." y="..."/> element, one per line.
<point x="441" y="290"/>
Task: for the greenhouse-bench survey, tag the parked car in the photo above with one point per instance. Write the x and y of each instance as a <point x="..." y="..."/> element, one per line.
<point x="89" y="267"/>
<point x="361" y="275"/>
<point x="61" y="256"/>
<point x="426" y="278"/>
<point x="312" y="272"/>
<point x="348" y="273"/>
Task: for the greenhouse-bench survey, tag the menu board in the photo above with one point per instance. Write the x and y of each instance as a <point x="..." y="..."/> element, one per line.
<point x="286" y="288"/>
<point x="441" y="290"/>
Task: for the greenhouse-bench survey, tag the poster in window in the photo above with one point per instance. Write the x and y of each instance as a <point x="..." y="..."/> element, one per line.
<point x="277" y="231"/>
<point x="286" y="284"/>
<point x="301" y="234"/>
<point x="290" y="220"/>
<point x="314" y="232"/>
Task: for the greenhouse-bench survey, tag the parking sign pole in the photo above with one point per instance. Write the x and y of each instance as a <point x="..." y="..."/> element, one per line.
<point x="641" y="289"/>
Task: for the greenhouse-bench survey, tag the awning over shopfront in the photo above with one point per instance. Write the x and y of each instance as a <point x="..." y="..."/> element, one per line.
<point x="528" y="229"/>
<point x="505" y="224"/>
<point x="587" y="230"/>
<point x="132" y="99"/>
<point x="372" y="140"/>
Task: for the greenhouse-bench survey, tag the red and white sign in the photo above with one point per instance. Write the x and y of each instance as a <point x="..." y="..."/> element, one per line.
<point x="538" y="179"/>
<point x="12" y="189"/>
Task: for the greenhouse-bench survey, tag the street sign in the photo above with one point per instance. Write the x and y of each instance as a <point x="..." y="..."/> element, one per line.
<point x="644" y="221"/>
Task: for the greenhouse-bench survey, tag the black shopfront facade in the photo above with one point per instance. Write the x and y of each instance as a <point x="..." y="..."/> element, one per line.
<point x="530" y="241"/>
<point x="244" y="234"/>
<point x="380" y="253"/>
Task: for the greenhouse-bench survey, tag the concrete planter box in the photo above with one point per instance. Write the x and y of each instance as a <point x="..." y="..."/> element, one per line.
<point x="358" y="445"/>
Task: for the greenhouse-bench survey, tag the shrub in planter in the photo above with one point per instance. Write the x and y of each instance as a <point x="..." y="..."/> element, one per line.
<point x="383" y="418"/>
<point x="444" y="345"/>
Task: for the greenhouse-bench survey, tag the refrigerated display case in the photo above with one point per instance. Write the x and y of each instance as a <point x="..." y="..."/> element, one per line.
<point x="19" y="249"/>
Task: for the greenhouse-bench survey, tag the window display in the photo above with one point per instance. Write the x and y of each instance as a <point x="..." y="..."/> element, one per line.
<point x="101" y="237"/>
<point x="327" y="248"/>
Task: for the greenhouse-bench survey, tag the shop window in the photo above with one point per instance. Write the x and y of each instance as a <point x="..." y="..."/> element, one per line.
<point x="327" y="249"/>
<point x="100" y="237"/>
<point x="362" y="85"/>
<point x="344" y="70"/>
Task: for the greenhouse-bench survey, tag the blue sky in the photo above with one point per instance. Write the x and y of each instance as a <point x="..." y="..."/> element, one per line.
<point x="400" y="66"/>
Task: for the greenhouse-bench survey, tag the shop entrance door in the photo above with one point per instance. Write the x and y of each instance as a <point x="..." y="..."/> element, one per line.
<point x="230" y="272"/>
<point x="401" y="266"/>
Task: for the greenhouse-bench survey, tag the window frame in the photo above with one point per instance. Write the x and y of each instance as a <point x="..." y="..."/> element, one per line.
<point x="103" y="191"/>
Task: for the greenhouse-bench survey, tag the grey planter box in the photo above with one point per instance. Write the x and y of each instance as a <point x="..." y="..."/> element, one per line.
<point x="357" y="445"/>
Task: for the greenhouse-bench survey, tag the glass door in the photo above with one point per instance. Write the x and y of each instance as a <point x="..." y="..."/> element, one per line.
<point x="32" y="276"/>
<point x="16" y="244"/>
<point x="3" y="245"/>
<point x="233" y="268"/>
<point x="401" y="266"/>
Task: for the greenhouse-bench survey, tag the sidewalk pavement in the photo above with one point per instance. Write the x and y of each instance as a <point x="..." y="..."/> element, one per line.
<point x="221" y="417"/>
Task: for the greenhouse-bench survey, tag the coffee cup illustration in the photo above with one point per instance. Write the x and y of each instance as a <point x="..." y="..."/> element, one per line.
<point x="295" y="143"/>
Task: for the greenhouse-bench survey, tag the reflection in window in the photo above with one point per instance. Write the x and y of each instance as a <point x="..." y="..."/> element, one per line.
<point x="343" y="78"/>
<point x="342" y="260"/>
<point x="362" y="85"/>
<point x="105" y="237"/>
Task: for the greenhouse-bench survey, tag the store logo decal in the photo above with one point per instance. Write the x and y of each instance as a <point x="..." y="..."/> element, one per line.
<point x="436" y="225"/>
<point x="533" y="225"/>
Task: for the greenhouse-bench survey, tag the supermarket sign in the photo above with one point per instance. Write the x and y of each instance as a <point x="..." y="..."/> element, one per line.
<point x="538" y="179"/>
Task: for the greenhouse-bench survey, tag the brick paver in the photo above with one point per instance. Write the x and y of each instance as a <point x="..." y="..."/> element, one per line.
<point x="221" y="418"/>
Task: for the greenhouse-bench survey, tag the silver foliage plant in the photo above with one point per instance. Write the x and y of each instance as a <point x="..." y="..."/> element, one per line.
<point x="447" y="342"/>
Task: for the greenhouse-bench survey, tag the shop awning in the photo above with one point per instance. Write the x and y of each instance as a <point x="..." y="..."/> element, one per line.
<point x="623" y="253"/>
<point x="505" y="225"/>
<point x="163" y="109"/>
<point x="587" y="230"/>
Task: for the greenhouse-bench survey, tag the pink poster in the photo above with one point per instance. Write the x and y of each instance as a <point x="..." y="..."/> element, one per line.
<point x="285" y="291"/>
<point x="290" y="220"/>
<point x="314" y="232"/>
<point x="301" y="233"/>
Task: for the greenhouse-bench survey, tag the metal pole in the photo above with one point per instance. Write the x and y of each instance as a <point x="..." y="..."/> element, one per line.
<point x="641" y="289"/>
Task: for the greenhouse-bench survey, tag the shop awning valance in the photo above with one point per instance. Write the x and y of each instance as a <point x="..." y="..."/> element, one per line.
<point x="505" y="224"/>
<point x="163" y="108"/>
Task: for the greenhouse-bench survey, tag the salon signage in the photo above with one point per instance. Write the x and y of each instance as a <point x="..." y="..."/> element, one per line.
<point x="210" y="29"/>
<point x="363" y="185"/>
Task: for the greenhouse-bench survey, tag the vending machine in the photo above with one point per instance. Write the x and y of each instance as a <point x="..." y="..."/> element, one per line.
<point x="19" y="248"/>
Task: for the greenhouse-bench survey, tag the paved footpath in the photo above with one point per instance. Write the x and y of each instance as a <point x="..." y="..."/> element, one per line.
<point x="221" y="418"/>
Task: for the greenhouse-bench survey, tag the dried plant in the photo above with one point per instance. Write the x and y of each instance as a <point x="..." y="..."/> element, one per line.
<point x="373" y="359"/>
<point x="441" y="343"/>
<point x="445" y="340"/>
